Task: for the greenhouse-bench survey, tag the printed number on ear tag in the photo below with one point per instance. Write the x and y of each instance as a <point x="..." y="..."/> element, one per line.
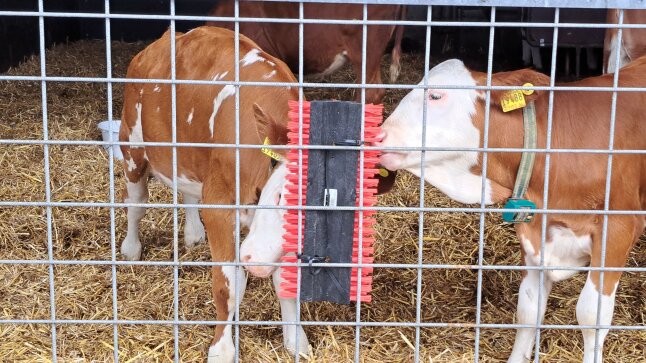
<point x="512" y="100"/>
<point x="269" y="152"/>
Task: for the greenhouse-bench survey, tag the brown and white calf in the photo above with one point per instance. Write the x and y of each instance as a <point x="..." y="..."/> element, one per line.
<point x="326" y="47"/>
<point x="633" y="41"/>
<point x="455" y="118"/>
<point x="206" y="114"/>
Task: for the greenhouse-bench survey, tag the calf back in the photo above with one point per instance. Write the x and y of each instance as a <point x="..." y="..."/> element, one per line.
<point x="204" y="113"/>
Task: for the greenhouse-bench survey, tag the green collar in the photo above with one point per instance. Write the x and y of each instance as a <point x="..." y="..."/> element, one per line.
<point x="524" y="173"/>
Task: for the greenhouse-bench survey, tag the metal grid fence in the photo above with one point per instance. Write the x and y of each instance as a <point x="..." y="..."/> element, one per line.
<point x="428" y="24"/>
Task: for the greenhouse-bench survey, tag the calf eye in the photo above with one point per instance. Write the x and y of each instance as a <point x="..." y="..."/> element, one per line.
<point x="436" y="96"/>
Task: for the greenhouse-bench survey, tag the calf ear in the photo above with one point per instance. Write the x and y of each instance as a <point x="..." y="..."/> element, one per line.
<point x="267" y="127"/>
<point x="513" y="78"/>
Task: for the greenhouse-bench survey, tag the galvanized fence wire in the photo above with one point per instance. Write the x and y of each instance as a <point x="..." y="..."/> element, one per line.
<point x="420" y="267"/>
<point x="485" y="143"/>
<point x="420" y="232"/>
<point x="113" y="243"/>
<point x="606" y="201"/>
<point x="548" y="142"/>
<point x="357" y="332"/>
<point x="50" y="249"/>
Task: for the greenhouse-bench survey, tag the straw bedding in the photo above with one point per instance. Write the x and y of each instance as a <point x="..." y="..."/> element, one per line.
<point x="81" y="173"/>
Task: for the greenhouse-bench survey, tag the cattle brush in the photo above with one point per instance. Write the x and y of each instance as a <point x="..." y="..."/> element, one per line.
<point x="330" y="178"/>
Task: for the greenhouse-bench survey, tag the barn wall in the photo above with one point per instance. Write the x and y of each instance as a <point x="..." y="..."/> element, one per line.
<point x="19" y="35"/>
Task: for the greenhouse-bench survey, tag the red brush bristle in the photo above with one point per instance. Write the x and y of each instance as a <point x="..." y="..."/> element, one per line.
<point x="373" y="118"/>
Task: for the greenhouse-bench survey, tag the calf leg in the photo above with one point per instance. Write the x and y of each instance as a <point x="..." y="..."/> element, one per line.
<point x="373" y="72"/>
<point x="530" y="311"/>
<point x="136" y="191"/>
<point x="222" y="349"/>
<point x="373" y="76"/>
<point x="586" y="314"/>
<point x="193" y="227"/>
<point x="623" y="231"/>
<point x="288" y="313"/>
<point x="220" y="229"/>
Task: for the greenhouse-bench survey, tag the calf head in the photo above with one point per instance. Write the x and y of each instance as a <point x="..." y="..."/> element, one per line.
<point x="454" y="119"/>
<point x="448" y="119"/>
<point x="263" y="243"/>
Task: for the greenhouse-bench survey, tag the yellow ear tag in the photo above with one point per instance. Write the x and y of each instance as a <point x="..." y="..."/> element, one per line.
<point x="383" y="172"/>
<point x="269" y="152"/>
<point x="528" y="92"/>
<point x="512" y="100"/>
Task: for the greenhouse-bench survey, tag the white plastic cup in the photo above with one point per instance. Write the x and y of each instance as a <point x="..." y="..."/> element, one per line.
<point x="111" y="127"/>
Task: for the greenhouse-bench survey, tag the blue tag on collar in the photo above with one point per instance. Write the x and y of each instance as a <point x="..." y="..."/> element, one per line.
<point x="518" y="217"/>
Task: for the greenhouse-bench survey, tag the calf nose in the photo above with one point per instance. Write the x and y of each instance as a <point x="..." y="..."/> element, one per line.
<point x="258" y="271"/>
<point x="380" y="139"/>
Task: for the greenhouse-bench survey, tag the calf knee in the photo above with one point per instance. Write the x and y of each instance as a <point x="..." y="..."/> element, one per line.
<point x="588" y="303"/>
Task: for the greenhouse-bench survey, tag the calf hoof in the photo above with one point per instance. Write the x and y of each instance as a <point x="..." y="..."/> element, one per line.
<point x="222" y="352"/>
<point x="289" y="336"/>
<point x="131" y="249"/>
<point x="194" y="234"/>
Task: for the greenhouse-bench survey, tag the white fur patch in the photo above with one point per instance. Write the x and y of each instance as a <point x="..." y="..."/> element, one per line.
<point x="623" y="55"/>
<point x="269" y="75"/>
<point x="219" y="76"/>
<point x="131" y="164"/>
<point x="193" y="227"/>
<point x="586" y="314"/>
<point x="338" y="62"/>
<point x="264" y="242"/>
<point x="131" y="246"/>
<point x="562" y="248"/>
<point x="527" y="313"/>
<point x="190" y="116"/>
<point x="288" y="313"/>
<point x="226" y="91"/>
<point x="223" y="351"/>
<point x="448" y="125"/>
<point x="252" y="57"/>
<point x="136" y="135"/>
<point x="246" y="217"/>
<point x="229" y="273"/>
<point x="185" y="185"/>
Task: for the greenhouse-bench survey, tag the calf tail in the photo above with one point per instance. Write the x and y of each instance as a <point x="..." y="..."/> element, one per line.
<point x="395" y="65"/>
